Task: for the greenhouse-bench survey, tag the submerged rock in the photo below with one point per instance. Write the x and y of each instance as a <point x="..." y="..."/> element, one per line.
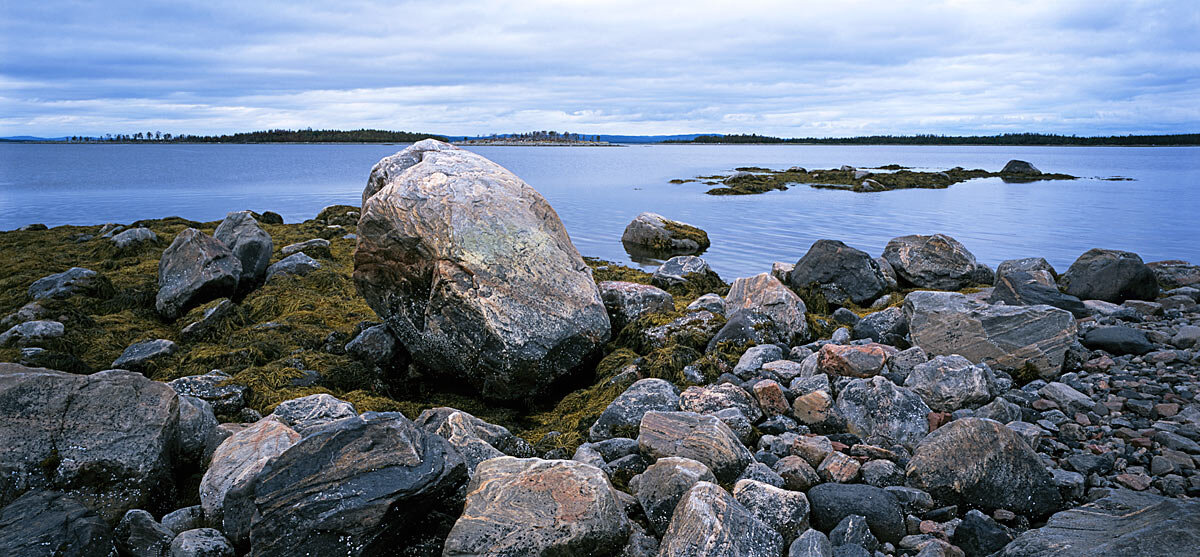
<point x="656" y="233"/>
<point x="194" y="269"/>
<point x="538" y="507"/>
<point x="475" y="273"/>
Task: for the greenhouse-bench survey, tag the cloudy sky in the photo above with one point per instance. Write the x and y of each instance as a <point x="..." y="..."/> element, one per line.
<point x="787" y="68"/>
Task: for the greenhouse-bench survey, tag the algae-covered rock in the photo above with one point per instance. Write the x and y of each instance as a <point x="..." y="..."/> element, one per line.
<point x="475" y="273"/>
<point x="624" y="415"/>
<point x="195" y="268"/>
<point x="627" y="301"/>
<point x="538" y="507"/>
<point x="75" y="280"/>
<point x="656" y="233"/>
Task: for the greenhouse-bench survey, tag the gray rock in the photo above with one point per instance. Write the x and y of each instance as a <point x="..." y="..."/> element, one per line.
<point x="1118" y="340"/>
<point x="1005" y="337"/>
<point x="133" y="237"/>
<point x="702" y="438"/>
<point x="44" y="523"/>
<point x="32" y="332"/>
<point x="708" y="522"/>
<point x="889" y="326"/>
<point x="882" y="413"/>
<point x="688" y="330"/>
<point x="679" y="270"/>
<point x="296" y="264"/>
<point x="981" y="463"/>
<point x="474" y="272"/>
<point x="1187" y="336"/>
<point x="760" y="472"/>
<point x="882" y="473"/>
<point x="853" y="530"/>
<point x="196" y="424"/>
<point x="1026" y="265"/>
<point x="538" y="507"/>
<point x="249" y="243"/>
<point x="785" y="511"/>
<point x="1176" y="274"/>
<point x="1118" y="524"/>
<point x="843" y="273"/>
<point x="656" y="233"/>
<point x="374" y="345"/>
<point x="627" y="301"/>
<point x="226" y="399"/>
<point x="475" y="439"/>
<point x="978" y="534"/>
<point x="140" y="355"/>
<point x="194" y="269"/>
<point x="812" y="543"/>
<point x="32" y="311"/>
<point x="316" y="247"/>
<point x="947" y="383"/>
<point x="306" y="414"/>
<point x="182" y="520"/>
<point x="225" y="496"/>
<point x="937" y="261"/>
<point x="1019" y="167"/>
<point x="201" y="542"/>
<point x="753" y="359"/>
<point x="390" y="475"/>
<point x="624" y="415"/>
<point x="1000" y="410"/>
<point x="663" y="484"/>
<point x="1067" y="398"/>
<point x="1109" y="275"/>
<point x="797" y="473"/>
<point x="211" y="323"/>
<point x="1018" y="288"/>
<point x="764" y="294"/>
<point x="713" y="398"/>
<point x="75" y="280"/>
<point x="60" y="432"/>
<point x="748" y="326"/>
<point x="833" y="502"/>
<point x="709" y="302"/>
<point x="139" y="534"/>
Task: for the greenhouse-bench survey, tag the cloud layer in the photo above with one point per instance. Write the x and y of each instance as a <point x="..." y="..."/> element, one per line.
<point x="782" y="68"/>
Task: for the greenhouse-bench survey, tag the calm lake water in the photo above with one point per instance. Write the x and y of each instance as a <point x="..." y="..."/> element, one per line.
<point x="597" y="190"/>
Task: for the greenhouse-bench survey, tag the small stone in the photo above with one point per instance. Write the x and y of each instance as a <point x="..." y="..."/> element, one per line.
<point x="838" y="467"/>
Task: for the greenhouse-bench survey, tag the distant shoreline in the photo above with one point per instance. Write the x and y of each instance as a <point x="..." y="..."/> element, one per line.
<point x="600" y="144"/>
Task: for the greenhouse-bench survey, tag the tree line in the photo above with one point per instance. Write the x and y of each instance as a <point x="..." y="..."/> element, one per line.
<point x="267" y="136"/>
<point x="1015" y="139"/>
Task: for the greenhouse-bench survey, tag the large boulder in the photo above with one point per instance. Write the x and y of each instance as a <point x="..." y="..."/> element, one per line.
<point x="390" y="477"/>
<point x="194" y="269"/>
<point x="1019" y="288"/>
<point x="1118" y="524"/>
<point x="1026" y="265"/>
<point x="235" y="463"/>
<point x="624" y="415"/>
<point x="249" y="243"/>
<point x="51" y="523"/>
<point x="948" y="383"/>
<point x="627" y="301"/>
<point x="709" y="522"/>
<point x="882" y="413"/>
<point x="936" y="261"/>
<point x="1109" y="275"/>
<point x="1174" y="273"/>
<point x="108" y="439"/>
<point x="702" y="438"/>
<point x="538" y="507"/>
<point x="75" y="280"/>
<point x="832" y="502"/>
<point x="474" y="272"/>
<point x="843" y="273"/>
<point x="1020" y="167"/>
<point x="656" y="233"/>
<point x="982" y="463"/>
<point x="1004" y="337"/>
<point x="765" y="295"/>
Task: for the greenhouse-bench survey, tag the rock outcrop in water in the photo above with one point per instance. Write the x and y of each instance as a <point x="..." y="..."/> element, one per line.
<point x="474" y="272"/>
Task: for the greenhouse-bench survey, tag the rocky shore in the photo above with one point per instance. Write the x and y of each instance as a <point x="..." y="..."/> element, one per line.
<point x="439" y="372"/>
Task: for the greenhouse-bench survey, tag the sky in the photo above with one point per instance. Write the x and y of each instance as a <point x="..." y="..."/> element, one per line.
<point x="462" y="67"/>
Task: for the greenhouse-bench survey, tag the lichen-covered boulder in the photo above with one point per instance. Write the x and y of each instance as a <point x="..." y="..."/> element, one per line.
<point x="538" y="507"/>
<point x="389" y="477"/>
<point x="45" y="523"/>
<point x="656" y="233"/>
<point x="1004" y="337"/>
<point x="936" y="261"/>
<point x="249" y="243"/>
<point x="1109" y="275"/>
<point x="843" y="273"/>
<point x="107" y="439"/>
<point x="765" y="295"/>
<point x="882" y="413"/>
<point x="475" y="273"/>
<point x="702" y="438"/>
<point x="194" y="269"/>
<point x="982" y="463"/>
<point x="235" y="463"/>
<point x="626" y="301"/>
<point x="709" y="522"/>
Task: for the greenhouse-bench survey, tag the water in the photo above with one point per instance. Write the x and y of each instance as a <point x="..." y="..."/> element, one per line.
<point x="598" y="190"/>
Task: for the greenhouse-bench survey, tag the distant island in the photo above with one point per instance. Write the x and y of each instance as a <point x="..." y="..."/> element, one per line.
<point x="930" y="139"/>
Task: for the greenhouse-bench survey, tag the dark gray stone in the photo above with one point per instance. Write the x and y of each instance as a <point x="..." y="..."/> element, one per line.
<point x="194" y="269"/>
<point x="663" y="484"/>
<point x="316" y="247"/>
<point x="375" y="345"/>
<point x="1019" y="167"/>
<point x="627" y="301"/>
<point x="708" y="522"/>
<point x="201" y="542"/>
<point x="1109" y="275"/>
<point x="889" y="326"/>
<point x="296" y="264"/>
<point x="226" y="399"/>
<point x="139" y="534"/>
<point x="832" y="502"/>
<point x="1118" y="340"/>
<point x="937" y="261"/>
<point x="978" y="534"/>
<point x="75" y="280"/>
<point x="624" y="415"/>
<point x="880" y="412"/>
<point x="49" y="523"/>
<point x="843" y="273"/>
<point x="1027" y="265"/>
<point x="1019" y="288"/>
<point x="139" y="355"/>
<point x="250" y="244"/>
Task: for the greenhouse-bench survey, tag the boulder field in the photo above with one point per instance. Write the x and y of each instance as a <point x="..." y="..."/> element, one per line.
<point x="441" y="373"/>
